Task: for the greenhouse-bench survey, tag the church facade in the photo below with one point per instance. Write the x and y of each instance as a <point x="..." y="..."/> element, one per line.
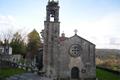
<point x="69" y="58"/>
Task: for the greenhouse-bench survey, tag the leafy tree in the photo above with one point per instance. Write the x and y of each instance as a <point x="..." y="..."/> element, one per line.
<point x="34" y="42"/>
<point x="17" y="44"/>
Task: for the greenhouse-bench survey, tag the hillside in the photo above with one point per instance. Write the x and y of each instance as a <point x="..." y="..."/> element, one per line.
<point x="109" y="58"/>
<point x="107" y="51"/>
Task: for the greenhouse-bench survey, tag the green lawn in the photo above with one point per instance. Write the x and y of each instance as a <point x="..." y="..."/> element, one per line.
<point x="6" y="72"/>
<point x="105" y="75"/>
<point x="101" y="74"/>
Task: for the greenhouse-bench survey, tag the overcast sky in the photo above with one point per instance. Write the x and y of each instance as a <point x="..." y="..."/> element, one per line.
<point x="96" y="20"/>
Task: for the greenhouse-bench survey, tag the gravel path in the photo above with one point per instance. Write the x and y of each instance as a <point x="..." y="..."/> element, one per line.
<point x="28" y="76"/>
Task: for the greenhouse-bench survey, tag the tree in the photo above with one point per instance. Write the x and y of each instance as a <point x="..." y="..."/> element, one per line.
<point x="34" y="42"/>
<point x="8" y="35"/>
<point x="1" y="43"/>
<point x="18" y="45"/>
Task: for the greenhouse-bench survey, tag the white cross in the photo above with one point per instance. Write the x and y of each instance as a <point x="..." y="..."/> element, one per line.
<point x="75" y="31"/>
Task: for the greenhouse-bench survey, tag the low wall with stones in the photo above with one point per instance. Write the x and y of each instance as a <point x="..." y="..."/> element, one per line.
<point x="7" y="64"/>
<point x="27" y="67"/>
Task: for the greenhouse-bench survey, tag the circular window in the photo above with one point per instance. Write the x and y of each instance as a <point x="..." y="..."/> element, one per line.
<point x="75" y="50"/>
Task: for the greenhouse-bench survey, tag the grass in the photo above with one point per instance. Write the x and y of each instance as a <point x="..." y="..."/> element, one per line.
<point x="7" y="72"/>
<point x="105" y="75"/>
<point x="101" y="74"/>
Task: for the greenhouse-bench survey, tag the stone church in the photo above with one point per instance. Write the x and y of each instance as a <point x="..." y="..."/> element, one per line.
<point x="65" y="58"/>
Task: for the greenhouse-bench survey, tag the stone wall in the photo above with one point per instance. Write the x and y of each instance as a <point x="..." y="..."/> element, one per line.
<point x="85" y="61"/>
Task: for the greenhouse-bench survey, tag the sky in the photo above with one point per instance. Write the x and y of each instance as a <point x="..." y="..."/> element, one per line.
<point x="96" y="20"/>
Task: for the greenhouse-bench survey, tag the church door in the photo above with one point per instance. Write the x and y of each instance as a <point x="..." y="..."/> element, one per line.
<point x="75" y="73"/>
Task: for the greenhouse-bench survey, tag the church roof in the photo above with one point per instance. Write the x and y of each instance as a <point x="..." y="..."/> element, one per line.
<point x="82" y="39"/>
<point x="63" y="38"/>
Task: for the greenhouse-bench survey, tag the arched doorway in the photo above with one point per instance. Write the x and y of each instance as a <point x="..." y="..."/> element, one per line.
<point x="75" y="73"/>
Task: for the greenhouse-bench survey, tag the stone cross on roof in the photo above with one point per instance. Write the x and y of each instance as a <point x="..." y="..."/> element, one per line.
<point x="53" y="0"/>
<point x="75" y="31"/>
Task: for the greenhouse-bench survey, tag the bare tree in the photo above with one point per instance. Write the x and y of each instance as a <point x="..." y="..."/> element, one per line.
<point x="6" y="36"/>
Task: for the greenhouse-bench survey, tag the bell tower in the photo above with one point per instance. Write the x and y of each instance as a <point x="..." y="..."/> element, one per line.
<point x="51" y="39"/>
<point x="52" y="10"/>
